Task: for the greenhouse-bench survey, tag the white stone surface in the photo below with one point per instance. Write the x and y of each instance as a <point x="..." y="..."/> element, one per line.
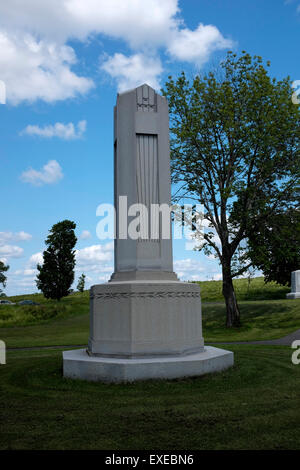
<point x="79" y="365"/>
<point x="132" y="319"/>
<point x="295" y="286"/>
<point x="142" y="173"/>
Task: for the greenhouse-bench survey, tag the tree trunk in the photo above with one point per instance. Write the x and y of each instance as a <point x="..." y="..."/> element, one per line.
<point x="232" y="309"/>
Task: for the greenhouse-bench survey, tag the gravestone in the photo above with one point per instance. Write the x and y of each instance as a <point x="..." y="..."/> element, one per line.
<point x="295" y="286"/>
<point x="144" y="323"/>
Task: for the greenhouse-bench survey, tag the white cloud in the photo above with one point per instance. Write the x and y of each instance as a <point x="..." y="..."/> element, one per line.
<point x="190" y="269"/>
<point x="63" y="131"/>
<point x="132" y="20"/>
<point x="95" y="268"/>
<point x="42" y="68"/>
<point x="85" y="234"/>
<point x="11" y="251"/>
<point x="138" y="23"/>
<point x="196" y="46"/>
<point x="16" y="237"/>
<point x="35" y="69"/>
<point x="95" y="260"/>
<point x="23" y="236"/>
<point x="133" y="71"/>
<point x="91" y="255"/>
<point x="51" y="173"/>
<point x="109" y="246"/>
<point x="26" y="272"/>
<point x="36" y="258"/>
<point x="25" y="278"/>
<point x="188" y="265"/>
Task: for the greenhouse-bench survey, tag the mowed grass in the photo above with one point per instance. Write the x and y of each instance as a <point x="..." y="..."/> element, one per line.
<point x="260" y="320"/>
<point x="254" y="405"/>
<point x="22" y="315"/>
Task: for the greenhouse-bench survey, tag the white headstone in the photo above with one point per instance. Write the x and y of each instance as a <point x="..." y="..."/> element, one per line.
<point x="144" y="323"/>
<point x="295" y="286"/>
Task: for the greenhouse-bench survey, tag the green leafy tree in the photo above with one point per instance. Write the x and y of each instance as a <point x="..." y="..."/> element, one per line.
<point x="235" y="137"/>
<point x="3" y="278"/>
<point x="56" y="274"/>
<point x="81" y="283"/>
<point x="274" y="246"/>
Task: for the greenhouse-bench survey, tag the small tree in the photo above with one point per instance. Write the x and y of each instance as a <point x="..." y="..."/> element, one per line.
<point x="56" y="274"/>
<point x="235" y="139"/>
<point x="81" y="283"/>
<point x="3" y="278"/>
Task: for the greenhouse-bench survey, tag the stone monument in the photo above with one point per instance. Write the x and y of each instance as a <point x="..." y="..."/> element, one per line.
<point x="295" y="286"/>
<point x="144" y="323"/>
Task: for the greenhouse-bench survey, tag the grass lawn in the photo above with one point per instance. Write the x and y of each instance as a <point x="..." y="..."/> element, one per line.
<point x="23" y="315"/>
<point x="254" y="405"/>
<point x="261" y="320"/>
<point x="256" y="289"/>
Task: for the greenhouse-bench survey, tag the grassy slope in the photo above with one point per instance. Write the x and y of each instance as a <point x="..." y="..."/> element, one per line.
<point x="23" y="315"/>
<point x="261" y="320"/>
<point x="255" y="405"/>
<point x="211" y="291"/>
<point x="67" y="322"/>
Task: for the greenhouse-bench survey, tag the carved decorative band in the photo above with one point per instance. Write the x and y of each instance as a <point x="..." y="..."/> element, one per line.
<point x="136" y="295"/>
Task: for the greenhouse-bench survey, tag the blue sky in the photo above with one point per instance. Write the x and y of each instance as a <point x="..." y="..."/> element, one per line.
<point x="63" y="62"/>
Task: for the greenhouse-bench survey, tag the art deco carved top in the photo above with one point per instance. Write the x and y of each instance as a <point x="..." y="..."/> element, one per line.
<point x="146" y="99"/>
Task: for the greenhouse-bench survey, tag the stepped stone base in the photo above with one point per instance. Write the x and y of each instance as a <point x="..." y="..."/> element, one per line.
<point x="144" y="330"/>
<point x="78" y="364"/>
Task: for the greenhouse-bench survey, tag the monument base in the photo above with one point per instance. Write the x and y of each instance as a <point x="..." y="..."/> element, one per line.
<point x="293" y="295"/>
<point x="138" y="318"/>
<point x="78" y="364"/>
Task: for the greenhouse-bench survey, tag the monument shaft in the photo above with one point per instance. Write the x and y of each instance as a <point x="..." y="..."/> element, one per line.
<point x="142" y="174"/>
